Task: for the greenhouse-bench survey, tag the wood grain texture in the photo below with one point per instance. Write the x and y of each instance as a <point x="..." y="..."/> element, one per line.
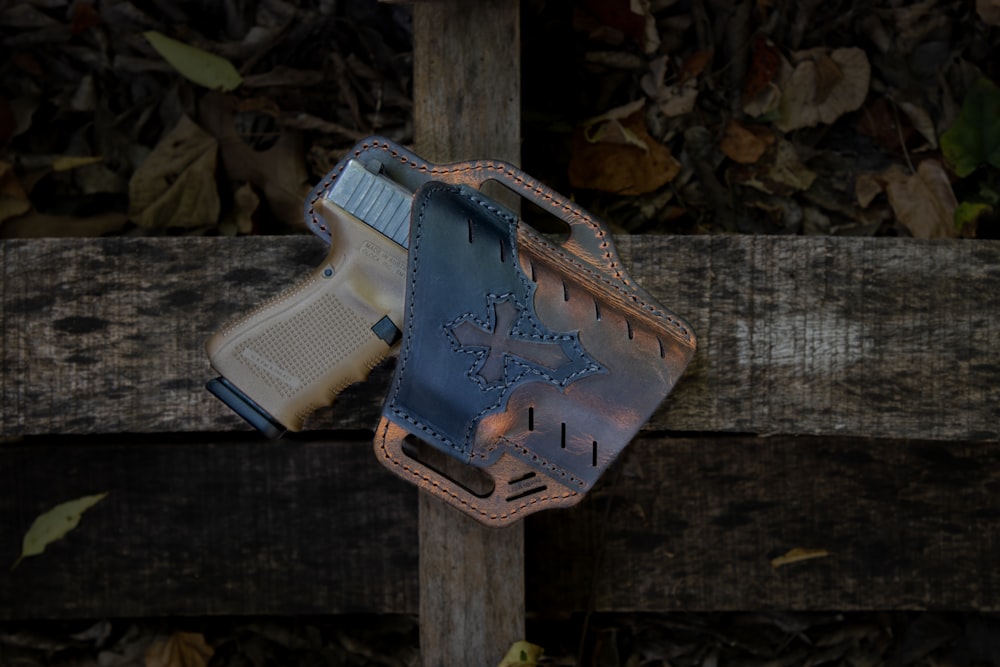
<point x="832" y="336"/>
<point x="254" y="527"/>
<point x="696" y="524"/>
<point x="467" y="104"/>
<point x="853" y="337"/>
<point x="205" y="529"/>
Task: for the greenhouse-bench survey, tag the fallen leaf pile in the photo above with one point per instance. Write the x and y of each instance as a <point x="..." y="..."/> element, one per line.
<point x="858" y="639"/>
<point x="770" y="116"/>
<point x="164" y="118"/>
<point x="756" y="116"/>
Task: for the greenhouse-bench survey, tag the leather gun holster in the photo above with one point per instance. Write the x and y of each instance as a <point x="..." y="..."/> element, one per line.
<point x="535" y="361"/>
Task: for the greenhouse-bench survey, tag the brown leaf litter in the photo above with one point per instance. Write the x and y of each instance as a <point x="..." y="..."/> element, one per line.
<point x="678" y="639"/>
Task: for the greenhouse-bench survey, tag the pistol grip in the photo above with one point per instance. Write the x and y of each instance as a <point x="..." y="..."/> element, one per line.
<point x="298" y="351"/>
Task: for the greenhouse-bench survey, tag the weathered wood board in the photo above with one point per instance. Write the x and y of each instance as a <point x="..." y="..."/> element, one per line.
<point x="819" y="336"/>
<point x="467" y="101"/>
<point x="298" y="527"/>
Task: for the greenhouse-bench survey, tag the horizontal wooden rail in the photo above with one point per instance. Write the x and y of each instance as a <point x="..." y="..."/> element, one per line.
<point x="870" y="364"/>
<point x="319" y="527"/>
<point x="821" y="336"/>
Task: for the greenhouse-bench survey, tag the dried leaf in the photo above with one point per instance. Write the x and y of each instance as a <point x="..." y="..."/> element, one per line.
<point x="201" y="67"/>
<point x="923" y="202"/>
<point x="631" y="162"/>
<point x="67" y="162"/>
<point x="279" y="172"/>
<point x="783" y="174"/>
<point x="745" y="144"/>
<point x="175" y="185"/>
<point x="678" y="99"/>
<point x="765" y="63"/>
<point x="608" y="127"/>
<point x="615" y="59"/>
<point x="866" y="188"/>
<point x="881" y="122"/>
<point x="522" y="654"/>
<point x="921" y="120"/>
<point x="974" y="139"/>
<point x="798" y="554"/>
<point x="989" y="11"/>
<point x="13" y="199"/>
<point x="181" y="649"/>
<point x="245" y="204"/>
<point x="822" y="87"/>
<point x="54" y="524"/>
<point x="286" y="77"/>
<point x="35" y="225"/>
<point x="696" y="64"/>
<point x="633" y="18"/>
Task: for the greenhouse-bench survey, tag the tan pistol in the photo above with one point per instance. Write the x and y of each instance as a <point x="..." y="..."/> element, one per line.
<point x="296" y="352"/>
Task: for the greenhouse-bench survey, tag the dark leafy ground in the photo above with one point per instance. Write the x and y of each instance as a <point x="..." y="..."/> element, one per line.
<point x="874" y="117"/>
<point x="899" y="639"/>
<point x="680" y="116"/>
<point x="765" y="116"/>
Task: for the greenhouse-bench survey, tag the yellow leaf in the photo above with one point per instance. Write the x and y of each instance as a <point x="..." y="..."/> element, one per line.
<point x="798" y="554"/>
<point x="54" y="524"/>
<point x="181" y="649"/>
<point x="203" y="68"/>
<point x="67" y="162"/>
<point x="522" y="654"/>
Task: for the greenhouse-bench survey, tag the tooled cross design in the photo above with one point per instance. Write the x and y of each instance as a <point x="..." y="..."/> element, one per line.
<point x="501" y="344"/>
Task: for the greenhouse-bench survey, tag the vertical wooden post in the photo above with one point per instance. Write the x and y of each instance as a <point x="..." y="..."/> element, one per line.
<point x="466" y="89"/>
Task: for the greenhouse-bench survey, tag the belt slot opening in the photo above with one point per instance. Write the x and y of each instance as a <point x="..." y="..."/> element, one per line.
<point x="469" y="222"/>
<point x="531" y="419"/>
<point x="663" y="352"/>
<point x="628" y="326"/>
<point x="518" y="480"/>
<point x="597" y="310"/>
<point x="565" y="291"/>
<point x="593" y="455"/>
<point x="562" y="436"/>
<point x="463" y="475"/>
<point x="525" y="494"/>
<point x="503" y="257"/>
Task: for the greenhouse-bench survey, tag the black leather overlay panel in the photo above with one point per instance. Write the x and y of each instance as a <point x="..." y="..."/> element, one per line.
<point x="471" y="334"/>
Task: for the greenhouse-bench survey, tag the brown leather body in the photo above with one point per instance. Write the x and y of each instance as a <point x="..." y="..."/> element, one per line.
<point x="536" y="362"/>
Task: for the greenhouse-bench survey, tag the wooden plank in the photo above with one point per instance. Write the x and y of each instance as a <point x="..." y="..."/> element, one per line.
<point x="694" y="524"/>
<point x="315" y="528"/>
<point x="853" y="337"/>
<point x="466" y="104"/>
<point x="205" y="529"/>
